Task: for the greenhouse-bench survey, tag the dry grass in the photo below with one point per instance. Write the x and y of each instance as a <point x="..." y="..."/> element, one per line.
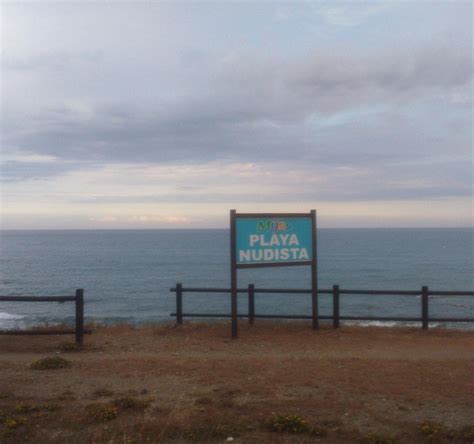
<point x="194" y="384"/>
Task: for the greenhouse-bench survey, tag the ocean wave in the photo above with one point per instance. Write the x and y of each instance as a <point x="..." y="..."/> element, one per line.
<point x="466" y="306"/>
<point x="10" y="321"/>
<point x="374" y="323"/>
<point x="9" y="316"/>
<point x="416" y="324"/>
<point x="388" y="323"/>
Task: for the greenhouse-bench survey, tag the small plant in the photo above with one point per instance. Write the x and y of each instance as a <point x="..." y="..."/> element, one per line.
<point x="50" y="363"/>
<point x="288" y="423"/>
<point x="25" y="408"/>
<point x="11" y="424"/>
<point x="102" y="412"/>
<point x="131" y="403"/>
<point x="429" y="429"/>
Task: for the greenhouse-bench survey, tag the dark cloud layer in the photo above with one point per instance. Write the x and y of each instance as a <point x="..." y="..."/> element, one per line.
<point x="368" y="109"/>
<point x="264" y="107"/>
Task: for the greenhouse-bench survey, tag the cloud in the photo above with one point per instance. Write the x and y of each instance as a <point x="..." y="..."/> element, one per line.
<point x="19" y="171"/>
<point x="52" y="60"/>
<point x="221" y="183"/>
<point x="254" y="106"/>
<point x="187" y="109"/>
<point x="348" y="15"/>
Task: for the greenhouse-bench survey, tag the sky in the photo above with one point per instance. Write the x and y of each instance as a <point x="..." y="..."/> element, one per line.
<point x="168" y="114"/>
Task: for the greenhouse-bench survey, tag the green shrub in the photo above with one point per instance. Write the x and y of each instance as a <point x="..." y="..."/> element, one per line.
<point x="101" y="412"/>
<point x="50" y="363"/>
<point x="9" y="425"/>
<point x="288" y="423"/>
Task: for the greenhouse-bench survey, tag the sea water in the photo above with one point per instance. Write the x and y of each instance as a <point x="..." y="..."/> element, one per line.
<point x="127" y="274"/>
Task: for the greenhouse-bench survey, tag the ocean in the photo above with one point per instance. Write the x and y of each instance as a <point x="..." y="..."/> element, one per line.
<point x="127" y="274"/>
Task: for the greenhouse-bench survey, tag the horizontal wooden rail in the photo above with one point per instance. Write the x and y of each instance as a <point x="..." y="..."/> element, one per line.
<point x="42" y="332"/>
<point x="79" y="330"/>
<point x="424" y="293"/>
<point x="382" y="292"/>
<point x="244" y="315"/>
<point x="278" y="316"/>
<point x="37" y="298"/>
<point x="289" y="290"/>
<point x="326" y="291"/>
<point x="245" y="290"/>
<point x="208" y="290"/>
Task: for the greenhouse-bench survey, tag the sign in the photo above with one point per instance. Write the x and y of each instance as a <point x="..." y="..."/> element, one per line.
<point x="273" y="241"/>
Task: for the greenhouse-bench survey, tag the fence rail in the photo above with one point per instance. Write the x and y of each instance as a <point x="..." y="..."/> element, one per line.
<point x="78" y="331"/>
<point x="424" y="292"/>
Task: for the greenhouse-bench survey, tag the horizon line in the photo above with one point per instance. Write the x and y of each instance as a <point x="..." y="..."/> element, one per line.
<point x="222" y="228"/>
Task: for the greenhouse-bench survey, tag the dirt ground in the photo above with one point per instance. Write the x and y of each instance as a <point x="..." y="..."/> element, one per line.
<point x="280" y="382"/>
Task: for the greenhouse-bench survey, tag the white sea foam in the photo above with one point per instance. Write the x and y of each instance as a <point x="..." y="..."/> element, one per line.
<point x="9" y="316"/>
<point x="389" y="323"/>
<point x="375" y="324"/>
<point x="9" y="320"/>
<point x="379" y="323"/>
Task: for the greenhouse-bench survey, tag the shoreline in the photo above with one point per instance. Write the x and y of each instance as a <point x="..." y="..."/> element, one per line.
<point x="8" y="318"/>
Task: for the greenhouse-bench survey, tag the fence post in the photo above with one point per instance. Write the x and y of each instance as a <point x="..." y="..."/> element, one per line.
<point x="80" y="316"/>
<point x="424" y="307"/>
<point x="179" y="304"/>
<point x="251" y="303"/>
<point x="314" y="274"/>
<point x="335" y="306"/>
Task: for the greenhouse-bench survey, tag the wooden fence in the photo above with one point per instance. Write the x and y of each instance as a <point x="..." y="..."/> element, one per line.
<point x="78" y="331"/>
<point x="336" y="293"/>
